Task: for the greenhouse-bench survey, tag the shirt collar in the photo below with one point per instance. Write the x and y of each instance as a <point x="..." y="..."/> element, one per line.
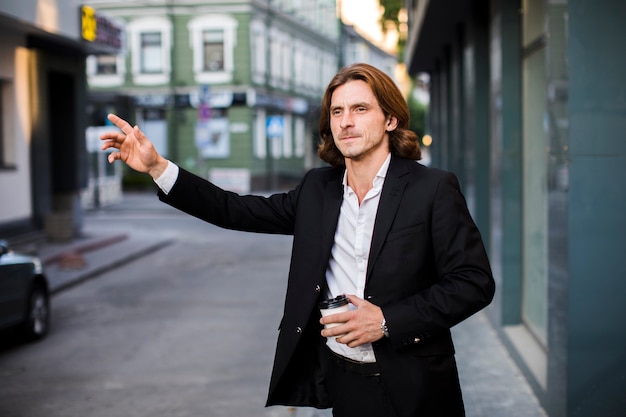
<point x="379" y="179"/>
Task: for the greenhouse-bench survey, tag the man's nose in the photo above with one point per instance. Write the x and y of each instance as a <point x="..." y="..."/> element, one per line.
<point x="346" y="121"/>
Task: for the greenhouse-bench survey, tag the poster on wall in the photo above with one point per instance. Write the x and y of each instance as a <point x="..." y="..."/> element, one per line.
<point x="213" y="138"/>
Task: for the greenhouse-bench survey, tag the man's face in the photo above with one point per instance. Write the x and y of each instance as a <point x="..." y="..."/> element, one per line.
<point x="357" y="122"/>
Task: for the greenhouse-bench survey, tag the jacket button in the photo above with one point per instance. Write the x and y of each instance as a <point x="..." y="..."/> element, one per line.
<point x="318" y="288"/>
<point x="298" y="329"/>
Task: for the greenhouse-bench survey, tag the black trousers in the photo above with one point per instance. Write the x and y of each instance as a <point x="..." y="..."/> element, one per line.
<point x="354" y="394"/>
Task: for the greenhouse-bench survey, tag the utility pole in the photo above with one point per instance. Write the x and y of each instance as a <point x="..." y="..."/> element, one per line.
<point x="172" y="125"/>
<point x="271" y="179"/>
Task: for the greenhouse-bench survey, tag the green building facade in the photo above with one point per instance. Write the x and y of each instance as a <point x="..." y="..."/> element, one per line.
<point x="227" y="89"/>
<point x="528" y="108"/>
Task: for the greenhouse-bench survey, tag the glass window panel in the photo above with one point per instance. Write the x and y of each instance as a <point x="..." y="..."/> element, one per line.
<point x="535" y="197"/>
<point x="151" y="53"/>
<point x="213" y="47"/>
<point x="106" y="64"/>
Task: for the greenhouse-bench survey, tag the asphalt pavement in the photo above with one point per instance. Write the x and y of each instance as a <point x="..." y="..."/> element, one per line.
<point x="492" y="384"/>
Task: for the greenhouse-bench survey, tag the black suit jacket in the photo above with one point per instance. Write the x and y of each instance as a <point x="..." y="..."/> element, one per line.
<point x="428" y="270"/>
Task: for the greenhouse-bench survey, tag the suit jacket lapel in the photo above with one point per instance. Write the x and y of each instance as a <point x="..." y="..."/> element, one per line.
<point x="331" y="207"/>
<point x="395" y="182"/>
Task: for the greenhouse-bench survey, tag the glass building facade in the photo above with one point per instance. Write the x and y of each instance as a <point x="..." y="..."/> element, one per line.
<point x="527" y="108"/>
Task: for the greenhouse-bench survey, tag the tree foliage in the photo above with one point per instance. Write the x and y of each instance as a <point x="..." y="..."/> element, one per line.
<point x="390" y="14"/>
<point x="391" y="17"/>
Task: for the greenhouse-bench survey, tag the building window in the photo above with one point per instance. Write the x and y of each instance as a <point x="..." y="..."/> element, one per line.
<point x="151" y="53"/>
<point x="105" y="70"/>
<point x="258" y="51"/>
<point x="150" y="46"/>
<point x="300" y="137"/>
<point x="213" y="45"/>
<point x="259" y="134"/>
<point x="12" y="151"/>
<point x="213" y="40"/>
<point x="287" y="136"/>
<point x="280" y="59"/>
<point x="2" y="135"/>
<point x="153" y="122"/>
<point x="106" y="64"/>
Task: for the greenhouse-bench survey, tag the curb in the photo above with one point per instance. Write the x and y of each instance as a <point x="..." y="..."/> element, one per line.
<point x="84" y="248"/>
<point x="112" y="263"/>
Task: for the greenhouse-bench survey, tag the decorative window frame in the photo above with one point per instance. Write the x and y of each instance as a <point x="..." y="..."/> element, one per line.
<point x="150" y="24"/>
<point x="258" y="51"/>
<point x="105" y="80"/>
<point x="280" y="59"/>
<point x="196" y="27"/>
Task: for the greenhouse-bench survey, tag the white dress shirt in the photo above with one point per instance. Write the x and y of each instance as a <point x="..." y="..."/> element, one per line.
<point x="167" y="179"/>
<point x="350" y="253"/>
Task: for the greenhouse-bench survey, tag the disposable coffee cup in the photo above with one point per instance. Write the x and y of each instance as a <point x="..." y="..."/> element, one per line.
<point x="335" y="305"/>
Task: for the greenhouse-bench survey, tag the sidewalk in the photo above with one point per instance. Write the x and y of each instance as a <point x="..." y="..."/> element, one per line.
<point x="71" y="263"/>
<point x="492" y="384"/>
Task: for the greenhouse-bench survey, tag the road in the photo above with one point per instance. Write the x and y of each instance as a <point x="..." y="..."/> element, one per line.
<point x="189" y="330"/>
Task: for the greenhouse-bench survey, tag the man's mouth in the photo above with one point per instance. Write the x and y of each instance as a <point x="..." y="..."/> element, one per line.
<point x="348" y="137"/>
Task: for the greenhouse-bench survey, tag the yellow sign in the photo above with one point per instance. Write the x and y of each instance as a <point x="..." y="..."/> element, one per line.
<point x="89" y="23"/>
<point x="103" y="33"/>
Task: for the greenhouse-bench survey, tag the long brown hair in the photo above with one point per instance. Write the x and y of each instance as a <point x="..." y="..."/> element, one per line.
<point x="402" y="141"/>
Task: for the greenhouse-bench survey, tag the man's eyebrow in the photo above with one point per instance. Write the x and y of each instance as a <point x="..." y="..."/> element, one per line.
<point x="352" y="106"/>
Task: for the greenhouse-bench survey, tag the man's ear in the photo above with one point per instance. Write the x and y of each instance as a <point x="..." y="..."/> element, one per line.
<point x="392" y="123"/>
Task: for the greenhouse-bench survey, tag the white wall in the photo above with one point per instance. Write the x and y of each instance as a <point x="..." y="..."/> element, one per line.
<point x="15" y="190"/>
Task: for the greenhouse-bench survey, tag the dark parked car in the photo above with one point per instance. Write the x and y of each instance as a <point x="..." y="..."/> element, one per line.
<point x="24" y="294"/>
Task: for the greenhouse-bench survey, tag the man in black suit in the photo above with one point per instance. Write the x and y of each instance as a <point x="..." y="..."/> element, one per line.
<point x="394" y="236"/>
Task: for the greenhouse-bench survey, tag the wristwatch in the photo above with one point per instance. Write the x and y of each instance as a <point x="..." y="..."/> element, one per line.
<point x="384" y="328"/>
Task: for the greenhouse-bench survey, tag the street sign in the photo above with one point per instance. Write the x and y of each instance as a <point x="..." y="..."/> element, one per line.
<point x="204" y="108"/>
<point x="274" y="126"/>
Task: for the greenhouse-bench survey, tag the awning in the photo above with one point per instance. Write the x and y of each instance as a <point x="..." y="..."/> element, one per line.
<point x="436" y="24"/>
